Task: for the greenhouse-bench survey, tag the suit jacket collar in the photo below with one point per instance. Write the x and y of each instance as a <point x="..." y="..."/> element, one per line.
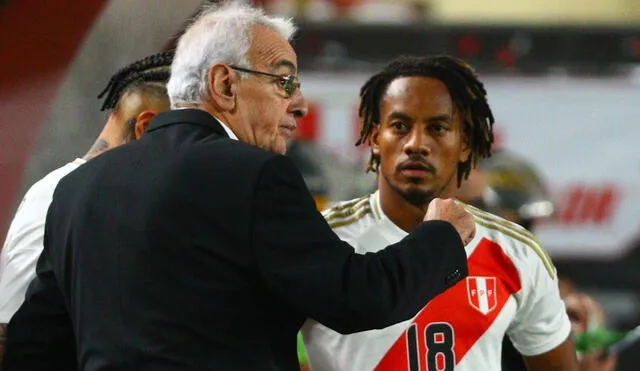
<point x="186" y="116"/>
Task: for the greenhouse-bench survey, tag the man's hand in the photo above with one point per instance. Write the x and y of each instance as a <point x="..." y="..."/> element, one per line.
<point x="450" y="211"/>
<point x="584" y="312"/>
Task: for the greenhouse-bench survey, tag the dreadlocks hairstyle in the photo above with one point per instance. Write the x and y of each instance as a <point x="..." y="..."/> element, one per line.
<point x="151" y="71"/>
<point x="467" y="93"/>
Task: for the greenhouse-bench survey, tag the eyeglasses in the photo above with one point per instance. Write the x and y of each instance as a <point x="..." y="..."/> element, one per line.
<point x="289" y="83"/>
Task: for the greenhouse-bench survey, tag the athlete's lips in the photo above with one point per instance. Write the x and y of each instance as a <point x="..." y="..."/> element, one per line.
<point x="417" y="166"/>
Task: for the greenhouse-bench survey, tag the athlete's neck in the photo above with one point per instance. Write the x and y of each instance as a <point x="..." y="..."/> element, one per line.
<point x="405" y="213"/>
<point x="99" y="146"/>
<point x="399" y="210"/>
<point x="112" y="135"/>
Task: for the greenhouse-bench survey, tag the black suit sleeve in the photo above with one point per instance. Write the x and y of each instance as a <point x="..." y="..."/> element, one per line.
<point x="305" y="263"/>
<point x="40" y="335"/>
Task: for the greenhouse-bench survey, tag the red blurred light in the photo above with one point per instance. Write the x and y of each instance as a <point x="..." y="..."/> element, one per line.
<point x="308" y="125"/>
<point x="506" y="57"/>
<point x="635" y="47"/>
<point x="468" y="46"/>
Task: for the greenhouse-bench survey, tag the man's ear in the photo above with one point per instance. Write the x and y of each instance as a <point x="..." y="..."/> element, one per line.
<point x="374" y="137"/>
<point x="222" y="81"/>
<point x="465" y="152"/>
<point x="142" y="122"/>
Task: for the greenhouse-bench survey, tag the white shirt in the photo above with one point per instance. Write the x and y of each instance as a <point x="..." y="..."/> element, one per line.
<point x="24" y="241"/>
<point x="512" y="289"/>
<point x="228" y="130"/>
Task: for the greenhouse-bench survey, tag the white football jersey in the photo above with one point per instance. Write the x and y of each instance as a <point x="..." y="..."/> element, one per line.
<point x="24" y="241"/>
<point x="511" y="289"/>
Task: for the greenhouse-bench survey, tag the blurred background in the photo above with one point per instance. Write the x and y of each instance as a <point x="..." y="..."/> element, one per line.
<point x="563" y="79"/>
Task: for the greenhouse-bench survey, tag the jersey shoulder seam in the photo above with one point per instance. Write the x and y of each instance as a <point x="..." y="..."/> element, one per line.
<point x="348" y="212"/>
<point x="512" y="231"/>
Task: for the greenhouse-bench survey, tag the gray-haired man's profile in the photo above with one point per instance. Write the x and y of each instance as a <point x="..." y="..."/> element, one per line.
<point x="198" y="247"/>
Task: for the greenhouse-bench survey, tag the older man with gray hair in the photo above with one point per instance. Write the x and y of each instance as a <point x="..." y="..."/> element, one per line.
<point x="198" y="247"/>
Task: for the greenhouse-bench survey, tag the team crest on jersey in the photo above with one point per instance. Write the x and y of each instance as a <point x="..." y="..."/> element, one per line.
<point x="482" y="293"/>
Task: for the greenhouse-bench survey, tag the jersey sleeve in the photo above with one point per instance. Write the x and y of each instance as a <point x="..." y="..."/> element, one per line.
<point x="21" y="251"/>
<point x="541" y="322"/>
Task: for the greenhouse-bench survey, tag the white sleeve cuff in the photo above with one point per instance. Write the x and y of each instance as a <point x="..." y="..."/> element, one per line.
<point x="549" y="342"/>
<point x="5" y="317"/>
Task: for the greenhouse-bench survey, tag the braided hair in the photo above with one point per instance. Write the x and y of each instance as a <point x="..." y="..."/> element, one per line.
<point x="145" y="73"/>
<point x="467" y="93"/>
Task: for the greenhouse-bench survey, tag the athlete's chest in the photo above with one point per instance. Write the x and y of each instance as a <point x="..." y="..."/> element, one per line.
<point x="473" y="314"/>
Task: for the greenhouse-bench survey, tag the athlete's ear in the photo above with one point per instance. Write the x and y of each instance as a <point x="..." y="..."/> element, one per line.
<point x="142" y="122"/>
<point x="465" y="148"/>
<point x="374" y="140"/>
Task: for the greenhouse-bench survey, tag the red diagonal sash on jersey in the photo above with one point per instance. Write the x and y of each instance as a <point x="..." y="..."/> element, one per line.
<point x="456" y="319"/>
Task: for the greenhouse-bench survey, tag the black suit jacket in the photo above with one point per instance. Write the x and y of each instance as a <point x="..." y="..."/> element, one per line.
<point x="187" y="250"/>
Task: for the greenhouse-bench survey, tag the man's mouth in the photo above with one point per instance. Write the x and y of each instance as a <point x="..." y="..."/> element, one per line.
<point x="416" y="169"/>
<point x="288" y="130"/>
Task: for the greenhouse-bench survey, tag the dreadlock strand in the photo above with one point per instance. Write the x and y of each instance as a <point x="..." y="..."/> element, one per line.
<point x="152" y="61"/>
<point x="120" y="81"/>
<point x="158" y="75"/>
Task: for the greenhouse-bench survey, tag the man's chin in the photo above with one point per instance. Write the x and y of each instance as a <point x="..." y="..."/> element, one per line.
<point x="282" y="144"/>
<point x="280" y="150"/>
<point x="418" y="197"/>
<point x="278" y="146"/>
<point x="416" y="193"/>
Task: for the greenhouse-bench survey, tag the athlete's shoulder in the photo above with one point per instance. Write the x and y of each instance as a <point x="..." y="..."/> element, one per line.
<point x="28" y="221"/>
<point x="44" y="188"/>
<point x="519" y="244"/>
<point x="348" y="214"/>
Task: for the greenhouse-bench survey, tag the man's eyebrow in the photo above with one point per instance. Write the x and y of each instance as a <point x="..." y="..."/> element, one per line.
<point x="440" y="118"/>
<point x="395" y="115"/>
<point x="284" y="63"/>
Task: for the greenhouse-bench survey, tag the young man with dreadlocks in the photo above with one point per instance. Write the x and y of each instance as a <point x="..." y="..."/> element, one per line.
<point x="428" y="123"/>
<point x="134" y="95"/>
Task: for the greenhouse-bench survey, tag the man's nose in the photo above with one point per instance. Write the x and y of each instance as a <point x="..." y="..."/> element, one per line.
<point x="418" y="142"/>
<point x="298" y="104"/>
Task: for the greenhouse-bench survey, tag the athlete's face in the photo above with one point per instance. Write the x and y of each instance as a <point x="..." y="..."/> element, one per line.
<point x="419" y="140"/>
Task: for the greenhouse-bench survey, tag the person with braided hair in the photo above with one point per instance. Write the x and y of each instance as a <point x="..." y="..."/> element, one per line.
<point x="134" y="95"/>
<point x="428" y="122"/>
